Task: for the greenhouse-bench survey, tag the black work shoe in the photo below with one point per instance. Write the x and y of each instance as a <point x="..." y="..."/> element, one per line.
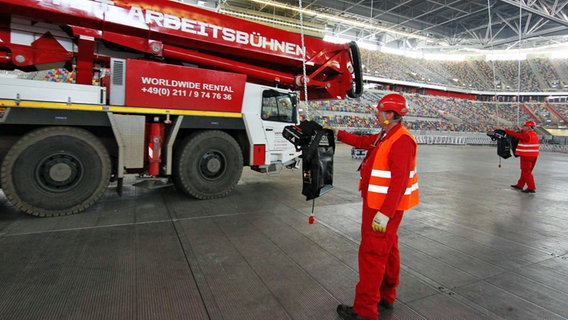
<point x="516" y="187"/>
<point x="529" y="191"/>
<point x="346" y="312"/>
<point x="386" y="305"/>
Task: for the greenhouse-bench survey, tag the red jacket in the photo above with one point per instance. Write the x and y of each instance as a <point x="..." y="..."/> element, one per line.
<point x="528" y="143"/>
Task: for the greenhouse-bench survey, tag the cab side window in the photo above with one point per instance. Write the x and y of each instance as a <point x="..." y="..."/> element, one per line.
<point x="277" y="106"/>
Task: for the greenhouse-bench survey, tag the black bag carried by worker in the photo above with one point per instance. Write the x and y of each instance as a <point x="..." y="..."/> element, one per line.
<point x="504" y="146"/>
<point x="318" y="146"/>
<point x="317" y="165"/>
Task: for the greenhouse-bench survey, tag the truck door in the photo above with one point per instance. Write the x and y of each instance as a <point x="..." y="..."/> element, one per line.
<point x="279" y="109"/>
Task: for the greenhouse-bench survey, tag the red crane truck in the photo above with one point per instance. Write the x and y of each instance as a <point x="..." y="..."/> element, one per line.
<point x="191" y="96"/>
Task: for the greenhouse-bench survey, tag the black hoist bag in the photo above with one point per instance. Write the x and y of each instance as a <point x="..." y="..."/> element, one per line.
<point x="317" y="165"/>
<point x="506" y="144"/>
<point x="318" y="146"/>
<point x="504" y="148"/>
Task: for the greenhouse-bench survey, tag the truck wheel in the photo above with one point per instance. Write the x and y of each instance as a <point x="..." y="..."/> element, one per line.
<point x="208" y="165"/>
<point x="55" y="171"/>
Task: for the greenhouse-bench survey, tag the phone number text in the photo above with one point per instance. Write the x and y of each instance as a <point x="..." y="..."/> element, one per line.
<point x="167" y="92"/>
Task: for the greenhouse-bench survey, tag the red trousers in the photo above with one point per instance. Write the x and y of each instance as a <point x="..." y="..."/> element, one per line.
<point x="527" y="166"/>
<point x="379" y="265"/>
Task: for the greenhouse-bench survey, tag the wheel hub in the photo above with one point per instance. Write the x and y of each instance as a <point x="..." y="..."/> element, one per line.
<point x="212" y="165"/>
<point x="59" y="172"/>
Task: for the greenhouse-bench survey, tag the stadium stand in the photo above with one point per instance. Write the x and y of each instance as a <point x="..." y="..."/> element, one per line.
<point x="536" y="74"/>
<point x="449" y="120"/>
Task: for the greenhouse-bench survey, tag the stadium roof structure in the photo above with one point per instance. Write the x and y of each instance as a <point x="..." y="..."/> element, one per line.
<point x="426" y="25"/>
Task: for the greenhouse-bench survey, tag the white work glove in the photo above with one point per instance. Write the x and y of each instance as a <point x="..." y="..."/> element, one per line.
<point x="380" y="222"/>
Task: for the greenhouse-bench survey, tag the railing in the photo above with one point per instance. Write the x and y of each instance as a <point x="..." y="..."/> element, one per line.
<point x="558" y="144"/>
<point x="455" y="140"/>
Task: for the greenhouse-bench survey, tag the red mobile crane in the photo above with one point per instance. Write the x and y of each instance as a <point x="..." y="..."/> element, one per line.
<point x="191" y="97"/>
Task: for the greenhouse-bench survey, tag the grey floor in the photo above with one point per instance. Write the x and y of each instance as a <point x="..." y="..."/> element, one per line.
<point x="473" y="249"/>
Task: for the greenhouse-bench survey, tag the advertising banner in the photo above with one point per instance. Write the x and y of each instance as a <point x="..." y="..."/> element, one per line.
<point x="157" y="85"/>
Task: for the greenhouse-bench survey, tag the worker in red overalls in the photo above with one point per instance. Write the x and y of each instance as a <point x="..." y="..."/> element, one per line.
<point x="527" y="150"/>
<point x="389" y="186"/>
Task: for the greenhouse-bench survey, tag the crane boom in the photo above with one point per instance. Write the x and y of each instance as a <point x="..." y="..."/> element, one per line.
<point x="168" y="30"/>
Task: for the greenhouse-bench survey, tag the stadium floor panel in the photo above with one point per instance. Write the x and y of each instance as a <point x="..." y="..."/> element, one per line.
<point x="473" y="248"/>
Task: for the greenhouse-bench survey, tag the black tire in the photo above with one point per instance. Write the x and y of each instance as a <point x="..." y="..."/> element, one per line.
<point x="55" y="171"/>
<point x="208" y="165"/>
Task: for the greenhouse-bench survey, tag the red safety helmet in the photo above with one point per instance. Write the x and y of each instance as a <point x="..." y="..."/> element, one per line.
<point x="393" y="102"/>
<point x="530" y="124"/>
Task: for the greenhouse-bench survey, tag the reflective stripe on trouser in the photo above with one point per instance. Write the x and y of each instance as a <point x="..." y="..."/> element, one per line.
<point x="379" y="265"/>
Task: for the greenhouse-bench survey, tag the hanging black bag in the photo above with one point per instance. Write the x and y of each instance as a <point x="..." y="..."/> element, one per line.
<point x="503" y="143"/>
<point x="317" y="165"/>
<point x="317" y="156"/>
